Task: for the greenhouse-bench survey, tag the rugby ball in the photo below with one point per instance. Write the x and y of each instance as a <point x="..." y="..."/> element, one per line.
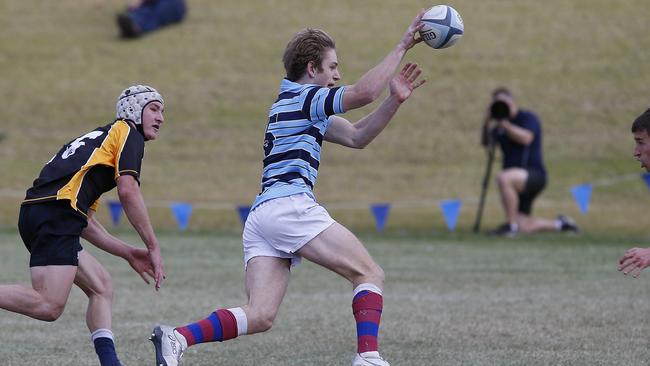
<point x="443" y="26"/>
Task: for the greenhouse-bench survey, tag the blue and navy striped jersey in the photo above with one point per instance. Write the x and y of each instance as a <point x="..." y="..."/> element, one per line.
<point x="294" y="134"/>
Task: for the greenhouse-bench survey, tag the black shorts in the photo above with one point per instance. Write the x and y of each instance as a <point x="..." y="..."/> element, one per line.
<point x="51" y="231"/>
<point x="534" y="185"/>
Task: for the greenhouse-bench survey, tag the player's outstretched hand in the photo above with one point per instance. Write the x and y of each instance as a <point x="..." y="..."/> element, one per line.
<point x="409" y="39"/>
<point x="146" y="265"/>
<point x="155" y="258"/>
<point x="403" y="84"/>
<point x="634" y="261"/>
<point x="139" y="260"/>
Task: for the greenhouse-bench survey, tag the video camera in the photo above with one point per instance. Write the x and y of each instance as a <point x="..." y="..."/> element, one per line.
<point x="499" y="110"/>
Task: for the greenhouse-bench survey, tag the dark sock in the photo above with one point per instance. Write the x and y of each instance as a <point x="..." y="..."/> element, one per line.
<point x="105" y="349"/>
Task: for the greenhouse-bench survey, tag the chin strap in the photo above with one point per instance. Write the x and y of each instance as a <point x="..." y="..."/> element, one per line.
<point x="141" y="130"/>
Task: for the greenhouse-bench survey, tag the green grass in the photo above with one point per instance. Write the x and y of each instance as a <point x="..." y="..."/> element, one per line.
<point x="450" y="299"/>
<point x="579" y="64"/>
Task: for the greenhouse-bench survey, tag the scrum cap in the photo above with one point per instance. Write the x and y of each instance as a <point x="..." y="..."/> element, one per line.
<point x="132" y="101"/>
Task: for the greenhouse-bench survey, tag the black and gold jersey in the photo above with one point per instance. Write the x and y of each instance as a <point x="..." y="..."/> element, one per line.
<point x="89" y="165"/>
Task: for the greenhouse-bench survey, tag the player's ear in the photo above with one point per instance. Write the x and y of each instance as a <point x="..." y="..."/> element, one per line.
<point x="311" y="69"/>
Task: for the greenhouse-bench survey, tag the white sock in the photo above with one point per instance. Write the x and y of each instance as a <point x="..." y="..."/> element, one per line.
<point x="370" y="354"/>
<point x="102" y="333"/>
<point x="367" y="287"/>
<point x="242" y="320"/>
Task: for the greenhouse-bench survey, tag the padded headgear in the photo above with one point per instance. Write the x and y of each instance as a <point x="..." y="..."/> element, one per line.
<point x="132" y="101"/>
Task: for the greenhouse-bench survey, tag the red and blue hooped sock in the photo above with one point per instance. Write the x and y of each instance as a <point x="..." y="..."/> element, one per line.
<point x="366" y="307"/>
<point x="220" y="326"/>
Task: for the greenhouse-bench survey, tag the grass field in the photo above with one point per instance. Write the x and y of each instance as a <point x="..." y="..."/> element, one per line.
<point x="450" y="300"/>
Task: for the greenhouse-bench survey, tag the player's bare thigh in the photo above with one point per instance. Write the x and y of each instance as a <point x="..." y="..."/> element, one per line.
<point x="338" y="250"/>
<point x="53" y="284"/>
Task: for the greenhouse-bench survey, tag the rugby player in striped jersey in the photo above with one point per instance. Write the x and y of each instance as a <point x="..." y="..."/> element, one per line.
<point x="286" y="223"/>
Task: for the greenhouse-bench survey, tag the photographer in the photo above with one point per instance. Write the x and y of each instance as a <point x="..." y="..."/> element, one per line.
<point x="519" y="135"/>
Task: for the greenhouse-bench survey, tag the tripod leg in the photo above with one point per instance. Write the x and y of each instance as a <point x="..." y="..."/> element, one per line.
<point x="484" y="188"/>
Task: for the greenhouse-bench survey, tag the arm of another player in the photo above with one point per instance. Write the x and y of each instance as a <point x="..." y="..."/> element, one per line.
<point x="130" y="196"/>
<point x="97" y="235"/>
<point x="360" y="134"/>
<point x="634" y="261"/>
<point x="370" y="86"/>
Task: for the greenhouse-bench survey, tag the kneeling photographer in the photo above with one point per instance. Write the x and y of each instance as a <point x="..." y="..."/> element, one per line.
<point x="523" y="176"/>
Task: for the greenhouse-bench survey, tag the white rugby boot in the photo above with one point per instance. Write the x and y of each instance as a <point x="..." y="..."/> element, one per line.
<point x="369" y="359"/>
<point x="169" y="345"/>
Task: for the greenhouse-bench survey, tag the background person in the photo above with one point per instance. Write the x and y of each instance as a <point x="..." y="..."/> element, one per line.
<point x="636" y="260"/>
<point x="60" y="206"/>
<point x="144" y="16"/>
<point x="523" y="176"/>
<point x="286" y="223"/>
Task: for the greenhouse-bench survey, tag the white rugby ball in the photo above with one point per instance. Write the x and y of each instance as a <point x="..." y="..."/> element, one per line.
<point x="443" y="26"/>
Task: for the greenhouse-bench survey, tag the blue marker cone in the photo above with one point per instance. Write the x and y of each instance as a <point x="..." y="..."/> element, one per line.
<point x="450" y="211"/>
<point x="243" y="213"/>
<point x="115" y="208"/>
<point x="582" y="194"/>
<point x="182" y="212"/>
<point x="380" y="212"/>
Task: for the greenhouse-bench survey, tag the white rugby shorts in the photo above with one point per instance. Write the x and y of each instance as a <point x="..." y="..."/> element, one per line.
<point x="281" y="226"/>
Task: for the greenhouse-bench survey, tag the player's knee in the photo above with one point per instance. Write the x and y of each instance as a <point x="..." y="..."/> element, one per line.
<point x="105" y="287"/>
<point x="102" y="285"/>
<point x="501" y="179"/>
<point x="370" y="272"/>
<point x="378" y="274"/>
<point x="50" y="311"/>
<point x="265" y="324"/>
<point x="264" y="320"/>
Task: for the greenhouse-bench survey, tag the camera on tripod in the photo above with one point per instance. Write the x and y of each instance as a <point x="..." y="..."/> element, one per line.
<point x="500" y="110"/>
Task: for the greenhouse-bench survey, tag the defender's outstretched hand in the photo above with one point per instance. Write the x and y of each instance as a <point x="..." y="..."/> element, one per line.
<point x="139" y="260"/>
<point x="634" y="261"/>
<point x="155" y="258"/>
<point x="146" y="262"/>
<point x="403" y="84"/>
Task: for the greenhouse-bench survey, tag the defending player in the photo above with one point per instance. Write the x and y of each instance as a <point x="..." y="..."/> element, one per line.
<point x="60" y="208"/>
<point x="636" y="260"/>
<point x="286" y="224"/>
